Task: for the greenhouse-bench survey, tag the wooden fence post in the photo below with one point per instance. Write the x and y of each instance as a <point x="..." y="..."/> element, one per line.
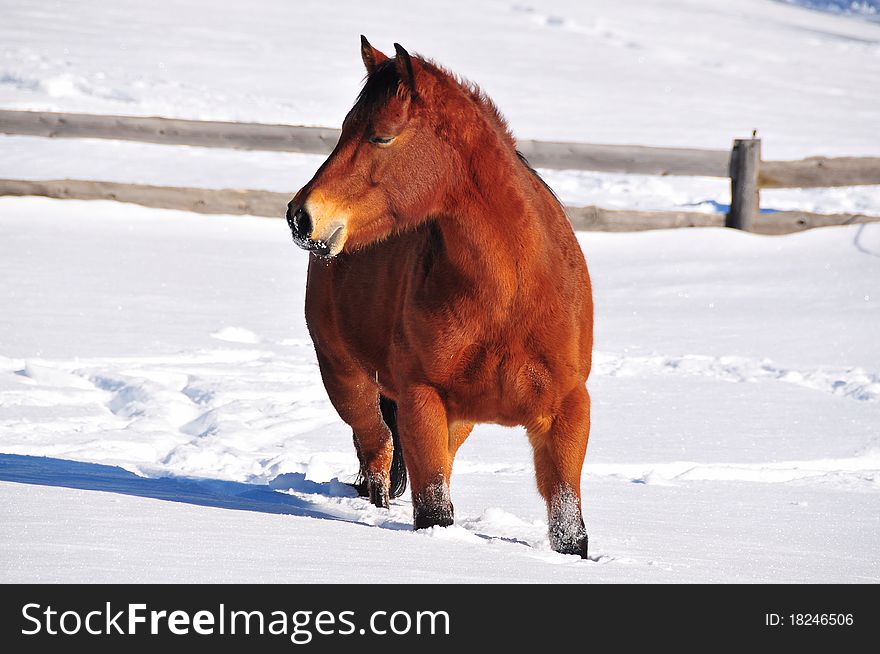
<point x="745" y="203"/>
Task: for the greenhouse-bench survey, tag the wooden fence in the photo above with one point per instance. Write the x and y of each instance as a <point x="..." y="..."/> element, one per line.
<point x="270" y="204"/>
<point x="743" y="165"/>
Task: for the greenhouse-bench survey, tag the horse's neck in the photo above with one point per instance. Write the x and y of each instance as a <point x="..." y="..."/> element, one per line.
<point x="500" y="231"/>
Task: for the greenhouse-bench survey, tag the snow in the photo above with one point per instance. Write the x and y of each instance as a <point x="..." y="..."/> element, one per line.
<point x="113" y="537"/>
<point x="651" y="72"/>
<point x="671" y="73"/>
<point x="736" y="400"/>
<point x="162" y="416"/>
<point x="674" y="73"/>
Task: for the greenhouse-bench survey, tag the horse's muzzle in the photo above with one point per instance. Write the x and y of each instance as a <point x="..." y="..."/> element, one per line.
<point x="323" y="248"/>
<point x="301" y="227"/>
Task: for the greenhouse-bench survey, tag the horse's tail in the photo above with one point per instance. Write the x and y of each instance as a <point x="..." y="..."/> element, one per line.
<point x="398" y="468"/>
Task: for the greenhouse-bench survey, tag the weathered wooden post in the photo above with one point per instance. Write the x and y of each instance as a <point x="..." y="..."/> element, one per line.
<point x="745" y="203"/>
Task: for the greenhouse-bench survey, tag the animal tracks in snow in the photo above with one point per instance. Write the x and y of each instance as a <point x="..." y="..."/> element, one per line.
<point x="861" y="470"/>
<point x="493" y="528"/>
<point x="260" y="416"/>
<point x="252" y="414"/>
<point x="855" y="383"/>
<point x="596" y="29"/>
<point x="236" y="335"/>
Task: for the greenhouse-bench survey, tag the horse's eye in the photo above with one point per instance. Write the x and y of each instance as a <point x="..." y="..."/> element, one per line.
<point x="381" y="140"/>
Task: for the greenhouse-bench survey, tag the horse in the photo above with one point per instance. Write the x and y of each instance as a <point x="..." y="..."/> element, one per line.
<point x="445" y="288"/>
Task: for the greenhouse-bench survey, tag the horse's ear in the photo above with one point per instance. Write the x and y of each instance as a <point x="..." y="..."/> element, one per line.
<point x="405" y="69"/>
<point x="370" y="55"/>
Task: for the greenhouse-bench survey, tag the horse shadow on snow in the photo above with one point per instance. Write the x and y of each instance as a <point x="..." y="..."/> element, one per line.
<point x="46" y="471"/>
<point x="214" y="493"/>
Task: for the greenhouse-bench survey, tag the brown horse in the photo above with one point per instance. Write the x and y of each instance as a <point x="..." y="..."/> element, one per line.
<point x="445" y="288"/>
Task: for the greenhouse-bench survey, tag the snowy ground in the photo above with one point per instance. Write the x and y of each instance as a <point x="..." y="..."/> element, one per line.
<point x="683" y="73"/>
<point x="678" y="73"/>
<point x="736" y="390"/>
<point x="161" y="413"/>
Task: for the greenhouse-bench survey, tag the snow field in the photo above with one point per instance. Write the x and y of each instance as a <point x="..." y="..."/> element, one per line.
<point x="161" y="413"/>
<point x="734" y="418"/>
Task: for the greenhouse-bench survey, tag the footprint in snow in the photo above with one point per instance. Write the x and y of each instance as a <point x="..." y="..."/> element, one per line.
<point x="236" y="335"/>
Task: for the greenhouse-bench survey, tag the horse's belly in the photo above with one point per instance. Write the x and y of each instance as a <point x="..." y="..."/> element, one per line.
<point x="506" y="388"/>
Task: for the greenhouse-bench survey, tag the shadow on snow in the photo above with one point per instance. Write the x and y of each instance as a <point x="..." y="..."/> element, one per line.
<point x="45" y="471"/>
<point x="215" y="493"/>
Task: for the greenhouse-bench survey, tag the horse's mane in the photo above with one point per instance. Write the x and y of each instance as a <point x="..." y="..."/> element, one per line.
<point x="380" y="86"/>
<point x="491" y="112"/>
<point x="383" y="83"/>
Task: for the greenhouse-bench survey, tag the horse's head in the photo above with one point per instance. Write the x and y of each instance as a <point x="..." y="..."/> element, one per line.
<point x="385" y="172"/>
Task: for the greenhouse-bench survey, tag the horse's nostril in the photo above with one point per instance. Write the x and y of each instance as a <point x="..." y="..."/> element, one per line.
<point x="300" y="224"/>
<point x="303" y="223"/>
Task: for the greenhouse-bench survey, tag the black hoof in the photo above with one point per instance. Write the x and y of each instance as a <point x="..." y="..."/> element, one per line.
<point x="435" y="516"/>
<point x="375" y="488"/>
<point x="379" y="495"/>
<point x="583" y="547"/>
<point x="361" y="487"/>
<point x="579" y="546"/>
<point x="432" y="506"/>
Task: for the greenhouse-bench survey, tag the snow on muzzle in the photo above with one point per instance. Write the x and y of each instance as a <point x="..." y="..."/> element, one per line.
<point x="323" y="237"/>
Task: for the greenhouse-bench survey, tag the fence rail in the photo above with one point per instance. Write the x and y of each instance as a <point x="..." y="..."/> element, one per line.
<point x="816" y="172"/>
<point x="171" y="131"/>
<point x="320" y="140"/>
<point x="743" y="165"/>
<point x="273" y="205"/>
<point x="631" y="159"/>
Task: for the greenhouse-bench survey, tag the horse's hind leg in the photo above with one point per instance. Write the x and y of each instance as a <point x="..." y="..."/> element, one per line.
<point x="398" y="467"/>
<point x="559" y="457"/>
<point x="356" y="398"/>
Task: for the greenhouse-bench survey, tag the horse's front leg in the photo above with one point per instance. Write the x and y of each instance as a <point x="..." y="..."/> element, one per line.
<point x="559" y="458"/>
<point x="424" y="435"/>
<point x="356" y="399"/>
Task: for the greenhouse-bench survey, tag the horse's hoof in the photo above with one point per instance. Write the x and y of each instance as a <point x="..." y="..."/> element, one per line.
<point x="435" y="516"/>
<point x="361" y="488"/>
<point x="375" y="488"/>
<point x="578" y="546"/>
<point x="379" y="495"/>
